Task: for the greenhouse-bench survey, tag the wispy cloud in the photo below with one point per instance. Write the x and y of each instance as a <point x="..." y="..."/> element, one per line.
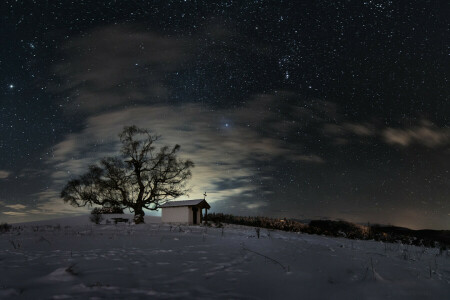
<point x="15" y="213"/>
<point x="117" y="76"/>
<point x="255" y="205"/>
<point x="120" y="63"/>
<point x="350" y="128"/>
<point x="49" y="203"/>
<point x="16" y="206"/>
<point x="4" y="174"/>
<point x="310" y="158"/>
<point x="426" y="134"/>
<point x="222" y="152"/>
<point x="344" y="133"/>
<point x="32" y="173"/>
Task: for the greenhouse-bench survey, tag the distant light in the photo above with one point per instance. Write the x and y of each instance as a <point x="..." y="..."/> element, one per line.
<point x="227" y="125"/>
<point x="11" y="86"/>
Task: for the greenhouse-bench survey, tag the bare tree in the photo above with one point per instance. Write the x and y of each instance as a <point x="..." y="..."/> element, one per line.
<point x="140" y="178"/>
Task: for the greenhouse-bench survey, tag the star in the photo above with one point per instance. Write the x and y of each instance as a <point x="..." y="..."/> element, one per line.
<point x="11" y="86"/>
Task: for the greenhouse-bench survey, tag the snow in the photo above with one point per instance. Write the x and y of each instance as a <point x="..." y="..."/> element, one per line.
<point x="74" y="259"/>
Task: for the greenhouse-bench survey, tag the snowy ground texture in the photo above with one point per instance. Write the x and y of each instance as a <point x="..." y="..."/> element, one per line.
<point x="75" y="259"/>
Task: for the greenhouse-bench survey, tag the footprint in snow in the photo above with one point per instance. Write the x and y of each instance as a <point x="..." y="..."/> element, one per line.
<point x="59" y="274"/>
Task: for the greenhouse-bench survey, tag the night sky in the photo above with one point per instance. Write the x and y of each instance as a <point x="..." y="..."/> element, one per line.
<point x="297" y="109"/>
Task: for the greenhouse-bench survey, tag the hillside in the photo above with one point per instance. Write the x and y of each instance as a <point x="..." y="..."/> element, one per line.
<point x="74" y="259"/>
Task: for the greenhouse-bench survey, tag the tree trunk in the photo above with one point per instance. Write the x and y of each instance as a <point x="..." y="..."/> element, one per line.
<point x="139" y="215"/>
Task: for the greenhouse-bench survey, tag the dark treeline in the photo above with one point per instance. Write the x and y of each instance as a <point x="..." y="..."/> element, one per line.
<point x="263" y="222"/>
<point x="392" y="234"/>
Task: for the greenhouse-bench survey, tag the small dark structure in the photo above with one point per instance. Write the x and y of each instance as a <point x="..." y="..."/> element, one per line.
<point x="119" y="220"/>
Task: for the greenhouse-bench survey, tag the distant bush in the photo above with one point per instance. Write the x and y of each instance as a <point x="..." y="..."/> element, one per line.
<point x="96" y="217"/>
<point x="4" y="227"/>
<point x="108" y="210"/>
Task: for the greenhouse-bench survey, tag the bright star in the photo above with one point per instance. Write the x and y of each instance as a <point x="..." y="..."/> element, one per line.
<point x="11" y="86"/>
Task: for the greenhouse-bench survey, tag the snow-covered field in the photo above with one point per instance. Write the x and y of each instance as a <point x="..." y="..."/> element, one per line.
<point x="75" y="259"/>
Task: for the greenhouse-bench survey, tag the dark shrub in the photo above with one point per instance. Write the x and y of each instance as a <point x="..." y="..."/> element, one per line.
<point x="96" y="217"/>
<point x="4" y="227"/>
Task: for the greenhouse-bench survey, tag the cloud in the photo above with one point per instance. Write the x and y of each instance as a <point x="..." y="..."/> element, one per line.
<point x="283" y="112"/>
<point x="16" y="206"/>
<point x="4" y="174"/>
<point x="15" y="213"/>
<point x="32" y="173"/>
<point x="118" y="66"/>
<point x="115" y="65"/>
<point x="117" y="75"/>
<point x="349" y="129"/>
<point x="310" y="158"/>
<point x="221" y="153"/>
<point x="359" y="129"/>
<point x="426" y="134"/>
<point x="256" y="205"/>
<point x="49" y="203"/>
